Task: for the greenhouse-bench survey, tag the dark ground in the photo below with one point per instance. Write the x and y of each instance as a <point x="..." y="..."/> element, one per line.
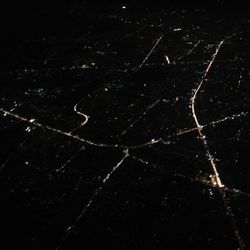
<point x="100" y="145"/>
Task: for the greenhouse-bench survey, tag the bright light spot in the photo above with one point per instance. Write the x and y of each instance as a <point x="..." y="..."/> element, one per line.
<point x="28" y="129"/>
